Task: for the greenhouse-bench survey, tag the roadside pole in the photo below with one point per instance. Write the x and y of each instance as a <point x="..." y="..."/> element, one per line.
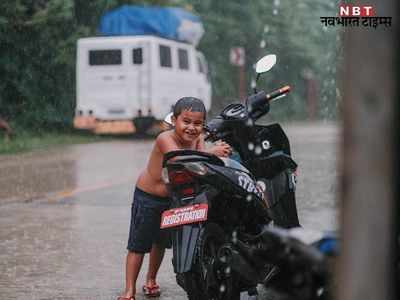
<point x="242" y="83"/>
<point x="369" y="165"/>
<point x="311" y="93"/>
<point x="237" y="58"/>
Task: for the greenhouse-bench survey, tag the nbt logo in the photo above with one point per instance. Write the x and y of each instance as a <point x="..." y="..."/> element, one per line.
<point x="356" y="11"/>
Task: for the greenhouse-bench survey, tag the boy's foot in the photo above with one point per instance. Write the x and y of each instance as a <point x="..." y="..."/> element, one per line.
<point x="151" y="290"/>
<point x="125" y="298"/>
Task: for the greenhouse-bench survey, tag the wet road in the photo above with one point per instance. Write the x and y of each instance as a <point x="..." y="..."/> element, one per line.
<point x="64" y="214"/>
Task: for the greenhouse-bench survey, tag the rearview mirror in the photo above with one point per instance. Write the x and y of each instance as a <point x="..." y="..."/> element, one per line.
<point x="168" y="119"/>
<point x="265" y="63"/>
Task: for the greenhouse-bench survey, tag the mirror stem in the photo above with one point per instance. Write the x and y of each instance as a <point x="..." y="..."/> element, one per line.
<point x="255" y="88"/>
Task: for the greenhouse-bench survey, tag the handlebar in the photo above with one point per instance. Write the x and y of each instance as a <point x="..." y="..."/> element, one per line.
<point x="257" y="105"/>
<point x="262" y="98"/>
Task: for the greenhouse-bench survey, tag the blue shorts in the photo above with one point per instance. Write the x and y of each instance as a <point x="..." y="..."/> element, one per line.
<point x="145" y="222"/>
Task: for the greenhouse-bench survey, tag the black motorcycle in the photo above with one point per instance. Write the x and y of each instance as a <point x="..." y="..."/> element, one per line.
<point x="221" y="207"/>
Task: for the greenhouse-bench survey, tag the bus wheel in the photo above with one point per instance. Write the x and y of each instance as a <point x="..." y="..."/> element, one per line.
<point x="143" y="124"/>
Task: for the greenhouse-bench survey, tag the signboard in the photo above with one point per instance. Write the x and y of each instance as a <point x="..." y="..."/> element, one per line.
<point x="237" y="56"/>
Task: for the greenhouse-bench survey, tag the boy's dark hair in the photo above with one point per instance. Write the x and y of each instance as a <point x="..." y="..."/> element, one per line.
<point x="189" y="103"/>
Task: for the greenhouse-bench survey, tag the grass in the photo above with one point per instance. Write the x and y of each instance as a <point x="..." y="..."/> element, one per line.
<point x="26" y="140"/>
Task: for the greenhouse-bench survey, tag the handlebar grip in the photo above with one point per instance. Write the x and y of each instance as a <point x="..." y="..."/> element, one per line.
<point x="278" y="92"/>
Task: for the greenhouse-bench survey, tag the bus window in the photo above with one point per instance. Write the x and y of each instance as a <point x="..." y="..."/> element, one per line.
<point x="200" y="65"/>
<point x="183" y="59"/>
<point x="165" y="56"/>
<point x="105" y="57"/>
<point x="203" y="63"/>
<point x="137" y="56"/>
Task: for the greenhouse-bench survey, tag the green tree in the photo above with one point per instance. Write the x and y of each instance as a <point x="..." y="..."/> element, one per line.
<point x="37" y="40"/>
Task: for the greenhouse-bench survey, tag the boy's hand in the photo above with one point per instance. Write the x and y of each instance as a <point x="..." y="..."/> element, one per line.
<point x="220" y="148"/>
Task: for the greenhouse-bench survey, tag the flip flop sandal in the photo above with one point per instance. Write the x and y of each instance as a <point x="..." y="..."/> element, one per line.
<point x="124" y="298"/>
<point x="152" y="291"/>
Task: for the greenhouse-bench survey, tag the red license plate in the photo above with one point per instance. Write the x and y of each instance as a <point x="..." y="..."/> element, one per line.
<point x="184" y="215"/>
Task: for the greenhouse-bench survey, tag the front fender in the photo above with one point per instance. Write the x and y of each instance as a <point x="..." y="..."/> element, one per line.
<point x="184" y="242"/>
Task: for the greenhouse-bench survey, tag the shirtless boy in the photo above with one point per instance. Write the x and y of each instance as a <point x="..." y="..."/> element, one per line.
<point x="151" y="196"/>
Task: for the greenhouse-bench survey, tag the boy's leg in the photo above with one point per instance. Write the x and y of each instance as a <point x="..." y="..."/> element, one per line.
<point x="156" y="257"/>
<point x="133" y="264"/>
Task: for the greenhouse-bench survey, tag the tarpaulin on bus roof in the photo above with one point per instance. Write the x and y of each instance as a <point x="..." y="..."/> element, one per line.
<point x="168" y="22"/>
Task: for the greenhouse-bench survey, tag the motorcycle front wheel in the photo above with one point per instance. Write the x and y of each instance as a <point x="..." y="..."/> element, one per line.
<point x="208" y="278"/>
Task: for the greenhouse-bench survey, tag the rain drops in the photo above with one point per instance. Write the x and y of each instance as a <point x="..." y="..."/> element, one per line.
<point x="276" y="4"/>
<point x="228" y="270"/>
<point x="234" y="237"/>
<point x="258" y="150"/>
<point x="249" y="197"/>
<point x="250" y="146"/>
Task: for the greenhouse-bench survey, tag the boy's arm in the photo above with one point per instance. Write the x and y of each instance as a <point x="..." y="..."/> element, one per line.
<point x="220" y="148"/>
<point x="166" y="143"/>
<point x="200" y="146"/>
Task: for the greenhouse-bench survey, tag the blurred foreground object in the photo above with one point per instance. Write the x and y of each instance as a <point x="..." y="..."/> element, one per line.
<point x="369" y="162"/>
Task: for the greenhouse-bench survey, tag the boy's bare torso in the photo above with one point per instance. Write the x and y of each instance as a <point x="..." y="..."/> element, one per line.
<point x="150" y="179"/>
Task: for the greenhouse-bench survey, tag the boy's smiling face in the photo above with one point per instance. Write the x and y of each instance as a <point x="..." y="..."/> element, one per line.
<point x="188" y="125"/>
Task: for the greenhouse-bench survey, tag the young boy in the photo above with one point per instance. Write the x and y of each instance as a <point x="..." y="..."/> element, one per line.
<point x="151" y="196"/>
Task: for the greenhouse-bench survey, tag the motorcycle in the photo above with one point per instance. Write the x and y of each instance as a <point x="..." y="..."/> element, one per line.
<point x="304" y="261"/>
<point x="222" y="207"/>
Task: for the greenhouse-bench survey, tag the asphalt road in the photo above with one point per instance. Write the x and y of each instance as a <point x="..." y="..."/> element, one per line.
<point x="64" y="214"/>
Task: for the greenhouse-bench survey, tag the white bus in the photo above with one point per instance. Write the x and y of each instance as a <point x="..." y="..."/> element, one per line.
<point x="126" y="84"/>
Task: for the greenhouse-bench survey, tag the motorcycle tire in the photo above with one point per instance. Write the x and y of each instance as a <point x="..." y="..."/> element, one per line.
<point x="205" y="281"/>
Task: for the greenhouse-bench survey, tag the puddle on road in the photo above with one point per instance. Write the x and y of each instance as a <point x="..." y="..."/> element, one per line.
<point x="32" y="175"/>
<point x="74" y="249"/>
<point x="76" y="167"/>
